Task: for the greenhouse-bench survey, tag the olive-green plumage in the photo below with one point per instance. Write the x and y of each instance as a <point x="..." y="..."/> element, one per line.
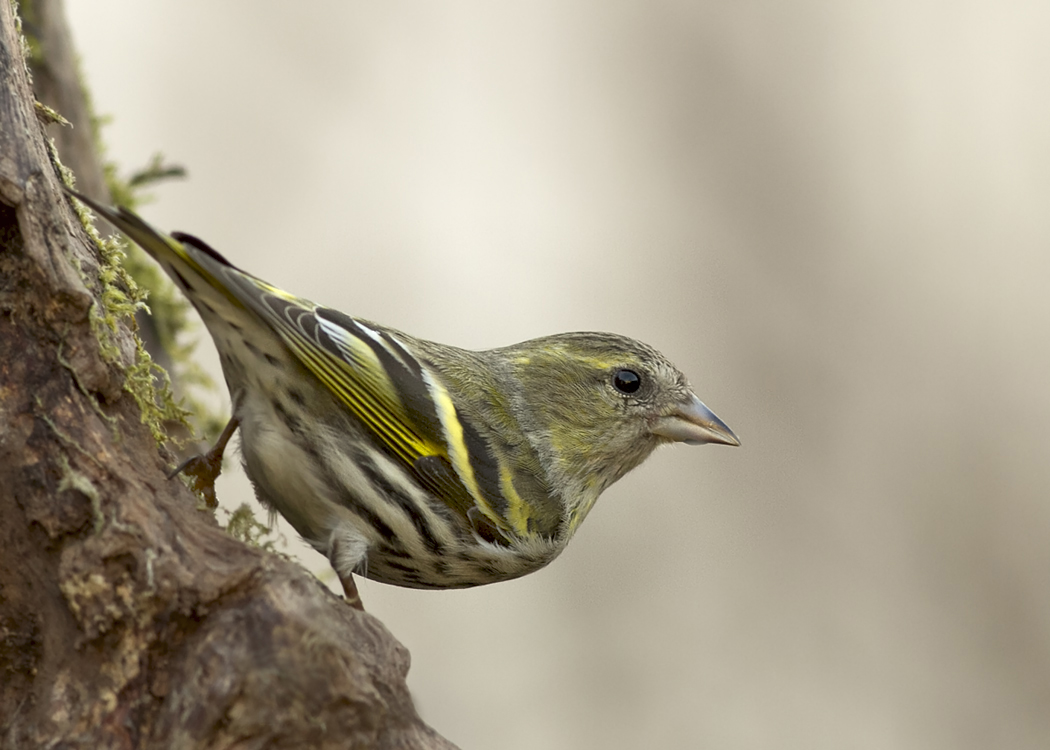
<point x="417" y="463"/>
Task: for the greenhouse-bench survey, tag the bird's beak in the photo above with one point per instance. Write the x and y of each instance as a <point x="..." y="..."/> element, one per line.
<point x="694" y="424"/>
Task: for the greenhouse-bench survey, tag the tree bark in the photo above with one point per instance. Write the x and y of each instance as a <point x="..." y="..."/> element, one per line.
<point x="127" y="617"/>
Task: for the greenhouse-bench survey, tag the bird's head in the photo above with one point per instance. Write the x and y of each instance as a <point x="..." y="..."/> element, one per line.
<point x="598" y="404"/>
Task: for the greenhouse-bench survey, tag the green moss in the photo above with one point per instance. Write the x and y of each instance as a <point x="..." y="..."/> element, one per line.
<point x="49" y="116"/>
<point x="118" y="298"/>
<point x="156" y="171"/>
<point x="244" y="526"/>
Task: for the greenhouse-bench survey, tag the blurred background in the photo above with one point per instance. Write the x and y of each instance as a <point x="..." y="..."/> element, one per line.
<point x="832" y="216"/>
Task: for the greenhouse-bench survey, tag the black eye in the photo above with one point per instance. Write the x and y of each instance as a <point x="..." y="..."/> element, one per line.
<point x="627" y="381"/>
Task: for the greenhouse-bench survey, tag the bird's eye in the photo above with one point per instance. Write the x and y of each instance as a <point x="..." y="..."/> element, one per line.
<point x="627" y="381"/>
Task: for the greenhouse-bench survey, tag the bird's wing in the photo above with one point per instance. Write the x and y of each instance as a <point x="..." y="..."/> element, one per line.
<point x="396" y="396"/>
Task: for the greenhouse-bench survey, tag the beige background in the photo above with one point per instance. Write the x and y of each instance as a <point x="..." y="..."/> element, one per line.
<point x="835" y="216"/>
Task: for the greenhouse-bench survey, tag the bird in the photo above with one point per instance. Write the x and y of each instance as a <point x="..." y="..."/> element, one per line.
<point x="411" y="462"/>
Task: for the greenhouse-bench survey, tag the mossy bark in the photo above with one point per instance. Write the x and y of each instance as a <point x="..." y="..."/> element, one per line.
<point x="127" y="617"/>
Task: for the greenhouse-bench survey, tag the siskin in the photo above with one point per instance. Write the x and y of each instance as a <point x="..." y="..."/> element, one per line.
<point x="416" y="463"/>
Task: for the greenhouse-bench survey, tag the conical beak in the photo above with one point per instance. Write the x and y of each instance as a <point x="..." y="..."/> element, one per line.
<point x="693" y="423"/>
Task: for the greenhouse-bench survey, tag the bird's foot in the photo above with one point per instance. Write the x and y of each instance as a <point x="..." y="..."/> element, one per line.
<point x="353" y="598"/>
<point x="205" y="468"/>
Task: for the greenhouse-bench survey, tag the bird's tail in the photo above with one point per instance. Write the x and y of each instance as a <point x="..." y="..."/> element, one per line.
<point x="188" y="260"/>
